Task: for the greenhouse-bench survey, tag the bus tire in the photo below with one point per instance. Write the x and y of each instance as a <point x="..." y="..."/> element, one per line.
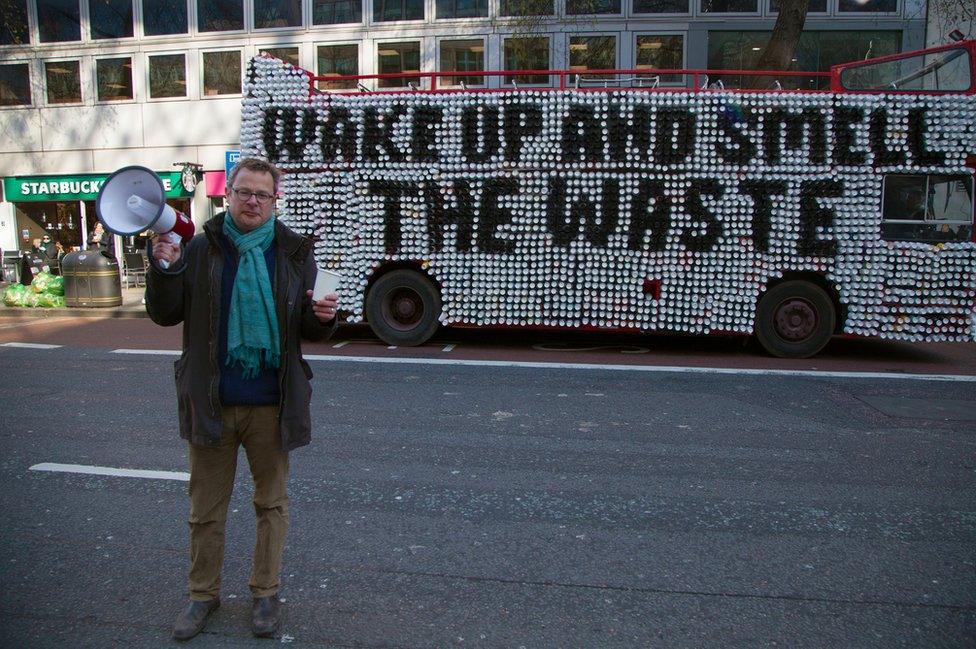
<point x="794" y="319"/>
<point x="403" y="308"/>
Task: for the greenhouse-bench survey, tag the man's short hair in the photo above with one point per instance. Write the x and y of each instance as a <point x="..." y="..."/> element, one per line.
<point x="254" y="164"/>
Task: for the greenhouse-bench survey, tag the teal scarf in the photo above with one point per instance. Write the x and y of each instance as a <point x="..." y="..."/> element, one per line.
<point x="252" y="326"/>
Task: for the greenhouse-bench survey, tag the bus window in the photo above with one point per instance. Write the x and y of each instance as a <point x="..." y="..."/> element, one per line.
<point x="931" y="208"/>
<point x="943" y="71"/>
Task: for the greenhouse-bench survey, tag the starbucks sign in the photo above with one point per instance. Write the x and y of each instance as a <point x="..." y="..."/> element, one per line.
<point x="76" y="187"/>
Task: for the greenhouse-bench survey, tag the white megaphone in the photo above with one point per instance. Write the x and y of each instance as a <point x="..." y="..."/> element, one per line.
<point x="133" y="200"/>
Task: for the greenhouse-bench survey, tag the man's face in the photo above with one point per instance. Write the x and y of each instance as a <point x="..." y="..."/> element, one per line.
<point x="251" y="213"/>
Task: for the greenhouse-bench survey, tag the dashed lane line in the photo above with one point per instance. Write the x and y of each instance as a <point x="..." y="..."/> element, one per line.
<point x="32" y="345"/>
<point x="111" y="471"/>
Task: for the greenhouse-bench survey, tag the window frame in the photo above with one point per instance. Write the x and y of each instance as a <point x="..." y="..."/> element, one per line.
<point x="562" y="10"/>
<point x="365" y="9"/>
<point x="437" y="20"/>
<point x="33" y="14"/>
<point x="258" y="49"/>
<point x="425" y="18"/>
<point x="250" y="6"/>
<point x="201" y="87"/>
<point x="31" y="73"/>
<point x="760" y="8"/>
<point x="32" y="29"/>
<point x="186" y="75"/>
<point x="461" y="37"/>
<point x="631" y="12"/>
<point x="133" y="57"/>
<point x="81" y="79"/>
<point x="504" y="79"/>
<point x="87" y="19"/>
<point x="190" y="23"/>
<point x="835" y="7"/>
<point x="377" y="44"/>
<point x="617" y="50"/>
<point x="684" y="53"/>
<point x="196" y="31"/>
<point x="340" y="43"/>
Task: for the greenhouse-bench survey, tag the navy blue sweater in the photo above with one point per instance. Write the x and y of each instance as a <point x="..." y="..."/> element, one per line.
<point x="235" y="390"/>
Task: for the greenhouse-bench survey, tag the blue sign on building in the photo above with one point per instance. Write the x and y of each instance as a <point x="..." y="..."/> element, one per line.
<point x="230" y="159"/>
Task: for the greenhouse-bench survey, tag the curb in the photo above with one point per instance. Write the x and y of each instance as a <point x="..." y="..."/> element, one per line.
<point x="13" y="312"/>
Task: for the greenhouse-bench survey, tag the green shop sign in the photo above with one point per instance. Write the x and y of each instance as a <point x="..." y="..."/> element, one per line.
<point x="76" y="187"/>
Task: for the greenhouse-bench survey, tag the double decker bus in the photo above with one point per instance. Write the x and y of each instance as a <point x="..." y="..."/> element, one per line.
<point x="611" y="200"/>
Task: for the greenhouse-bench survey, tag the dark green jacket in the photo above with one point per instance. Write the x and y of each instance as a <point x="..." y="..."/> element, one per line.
<point x="190" y="293"/>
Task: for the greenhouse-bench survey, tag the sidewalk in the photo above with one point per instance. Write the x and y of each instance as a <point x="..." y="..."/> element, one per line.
<point x="132" y="307"/>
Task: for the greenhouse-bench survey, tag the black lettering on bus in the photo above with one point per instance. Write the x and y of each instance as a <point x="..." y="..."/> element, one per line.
<point x="795" y="125"/>
<point x="598" y="234"/>
<point x="706" y="230"/>
<point x="845" y="139"/>
<point x="878" y="128"/>
<point x="562" y="219"/>
<point x="636" y="129"/>
<point x="921" y="154"/>
<point x="423" y="141"/>
<point x="522" y="120"/>
<point x="391" y="192"/>
<point x="440" y="217"/>
<point x="581" y="139"/>
<point x="817" y="222"/>
<point x="269" y="133"/>
<point x="492" y="216"/>
<point x="657" y="221"/>
<point x="480" y="123"/>
<point x="674" y="137"/>
<point x="738" y="148"/>
<point x="378" y="133"/>
<point x="338" y="139"/>
<point x="761" y="192"/>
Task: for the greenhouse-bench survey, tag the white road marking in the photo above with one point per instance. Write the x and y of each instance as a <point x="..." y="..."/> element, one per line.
<point x="392" y="347"/>
<point x="149" y="352"/>
<point x="448" y="348"/>
<point x="659" y="369"/>
<point x="32" y="345"/>
<point x="32" y="321"/>
<point x="340" y="345"/>
<point x="107" y="470"/>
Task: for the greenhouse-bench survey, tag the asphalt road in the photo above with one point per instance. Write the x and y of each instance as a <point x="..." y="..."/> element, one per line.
<point x="493" y="506"/>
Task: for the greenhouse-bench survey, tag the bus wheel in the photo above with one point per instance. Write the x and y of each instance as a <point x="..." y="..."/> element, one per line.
<point x="403" y="308"/>
<point x="795" y="319"/>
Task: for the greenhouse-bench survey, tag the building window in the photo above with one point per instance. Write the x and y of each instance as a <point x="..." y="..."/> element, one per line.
<point x="527" y="53"/>
<point x="593" y="53"/>
<point x="167" y="76"/>
<point x="398" y="57"/>
<point x="591" y="7"/>
<point x="269" y="14"/>
<point x="868" y="6"/>
<point x="388" y="10"/>
<point x="15" y="84"/>
<point x="462" y="56"/>
<point x="660" y="6"/>
<point x="58" y="20"/>
<point x="461" y="8"/>
<point x="286" y="54"/>
<point x="816" y="6"/>
<point x="220" y="15"/>
<point x="63" y="80"/>
<point x="815" y="51"/>
<point x="527" y="8"/>
<point x="661" y="52"/>
<point x="337" y="60"/>
<point x="13" y="30"/>
<point x="113" y="79"/>
<point x="161" y="17"/>
<point x="222" y="73"/>
<point x="945" y="71"/>
<point x="337" y="12"/>
<point x="729" y="6"/>
<point x="110" y="18"/>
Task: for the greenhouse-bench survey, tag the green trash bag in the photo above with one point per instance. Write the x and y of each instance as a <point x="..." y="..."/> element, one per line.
<point x="56" y="287"/>
<point x="29" y="298"/>
<point x="48" y="301"/>
<point x="41" y="281"/>
<point x="14" y="294"/>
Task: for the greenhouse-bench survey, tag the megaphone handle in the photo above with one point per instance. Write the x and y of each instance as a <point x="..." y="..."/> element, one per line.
<point x="169" y="237"/>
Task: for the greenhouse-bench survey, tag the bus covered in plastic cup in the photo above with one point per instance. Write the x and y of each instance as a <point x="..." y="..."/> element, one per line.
<point x="793" y="208"/>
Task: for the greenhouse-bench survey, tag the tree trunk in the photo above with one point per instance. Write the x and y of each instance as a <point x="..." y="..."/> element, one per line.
<point x="782" y="44"/>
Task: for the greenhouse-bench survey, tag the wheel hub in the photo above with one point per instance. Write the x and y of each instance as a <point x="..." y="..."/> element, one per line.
<point x="405" y="308"/>
<point x="795" y="320"/>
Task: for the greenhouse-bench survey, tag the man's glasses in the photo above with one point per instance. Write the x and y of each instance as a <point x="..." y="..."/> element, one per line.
<point x="245" y="195"/>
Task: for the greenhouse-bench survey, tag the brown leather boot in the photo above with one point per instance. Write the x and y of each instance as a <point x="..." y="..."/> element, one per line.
<point x="265" y="616"/>
<point x="193" y="618"/>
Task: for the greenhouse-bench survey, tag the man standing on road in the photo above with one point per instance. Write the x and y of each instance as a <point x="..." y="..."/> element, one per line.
<point x="242" y="290"/>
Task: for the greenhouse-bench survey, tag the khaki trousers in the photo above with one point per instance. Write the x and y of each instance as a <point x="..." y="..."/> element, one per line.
<point x="212" y="472"/>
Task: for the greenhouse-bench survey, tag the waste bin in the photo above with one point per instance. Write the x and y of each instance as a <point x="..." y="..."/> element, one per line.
<point x="91" y="278"/>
